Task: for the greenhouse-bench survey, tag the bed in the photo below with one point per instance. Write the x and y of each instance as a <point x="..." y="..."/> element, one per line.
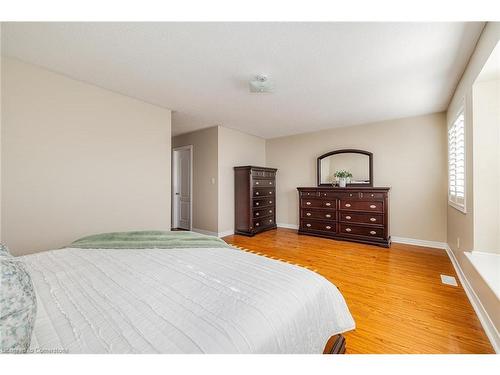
<point x="179" y="292"/>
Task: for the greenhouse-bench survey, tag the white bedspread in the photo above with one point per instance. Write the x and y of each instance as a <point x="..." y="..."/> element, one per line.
<point x="181" y="301"/>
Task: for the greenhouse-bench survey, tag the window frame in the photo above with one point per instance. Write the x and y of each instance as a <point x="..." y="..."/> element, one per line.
<point x="461" y="111"/>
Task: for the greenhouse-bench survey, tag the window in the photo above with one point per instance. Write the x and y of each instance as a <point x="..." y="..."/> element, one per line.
<point x="456" y="162"/>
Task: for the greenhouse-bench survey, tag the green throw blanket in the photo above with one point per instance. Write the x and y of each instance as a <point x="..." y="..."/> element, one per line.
<point x="148" y="240"/>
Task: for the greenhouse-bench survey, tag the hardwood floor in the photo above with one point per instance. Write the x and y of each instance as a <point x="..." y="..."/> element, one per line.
<point x="395" y="295"/>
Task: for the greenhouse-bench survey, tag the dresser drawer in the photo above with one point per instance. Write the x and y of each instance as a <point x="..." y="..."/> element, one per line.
<point x="262" y="212"/>
<point x="263" y="183"/>
<point x="371" y="196"/>
<point x="311" y="194"/>
<point x="348" y="195"/>
<point x="318" y="203"/>
<point x="317" y="225"/>
<point x="265" y="174"/>
<point x="318" y="214"/>
<point x="358" y="230"/>
<point x="263" y="222"/>
<point x="263" y="192"/>
<point x="362" y="218"/>
<point x="367" y="206"/>
<point x="262" y="202"/>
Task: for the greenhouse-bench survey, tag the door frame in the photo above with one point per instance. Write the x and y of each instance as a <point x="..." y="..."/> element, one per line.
<point x="174" y="180"/>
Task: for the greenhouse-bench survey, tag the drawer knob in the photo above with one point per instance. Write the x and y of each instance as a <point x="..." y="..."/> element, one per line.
<point x="308" y="225"/>
<point x="270" y="192"/>
<point x="372" y="195"/>
<point x="328" y="227"/>
<point x="270" y="202"/>
<point x="328" y="215"/>
<point x="256" y="193"/>
<point x="324" y="194"/>
<point x="308" y="203"/>
<point x="257" y="214"/>
<point x="328" y="204"/>
<point x="348" y="229"/>
<point x="270" y="220"/>
<point x="373" y="232"/>
<point x="257" y="182"/>
<point x="257" y="224"/>
<point x="373" y="206"/>
<point x="350" y="195"/>
<point x="373" y="219"/>
<point x="348" y="205"/>
<point x="270" y="211"/>
<point x="308" y="214"/>
<point x="348" y="217"/>
<point x="270" y="182"/>
<point x="256" y="203"/>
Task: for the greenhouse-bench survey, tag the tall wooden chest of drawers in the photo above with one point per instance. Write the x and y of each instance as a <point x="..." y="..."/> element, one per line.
<point x="359" y="214"/>
<point x="255" y="199"/>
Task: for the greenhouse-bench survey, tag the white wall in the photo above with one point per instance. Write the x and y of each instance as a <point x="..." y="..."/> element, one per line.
<point x="216" y="151"/>
<point x="205" y="176"/>
<point x="459" y="224"/>
<point x="235" y="149"/>
<point x="486" y="165"/>
<point x="409" y="155"/>
<point x="78" y="160"/>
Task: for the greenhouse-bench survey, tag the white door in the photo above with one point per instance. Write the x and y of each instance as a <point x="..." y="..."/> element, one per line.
<point x="182" y="188"/>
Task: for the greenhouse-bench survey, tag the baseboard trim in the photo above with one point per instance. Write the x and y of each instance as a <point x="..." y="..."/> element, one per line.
<point x="416" y="242"/>
<point x="482" y="314"/>
<point x="203" y="231"/>
<point x="288" y="226"/>
<point x="225" y="233"/>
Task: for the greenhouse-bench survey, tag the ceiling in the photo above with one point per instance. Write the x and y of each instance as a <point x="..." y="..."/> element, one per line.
<point x="491" y="69"/>
<point x="325" y="75"/>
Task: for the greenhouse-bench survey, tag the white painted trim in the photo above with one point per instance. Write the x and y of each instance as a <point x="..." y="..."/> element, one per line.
<point x="203" y="231"/>
<point x="225" y="233"/>
<point x="482" y="314"/>
<point x="416" y="242"/>
<point x="173" y="178"/>
<point x="289" y="226"/>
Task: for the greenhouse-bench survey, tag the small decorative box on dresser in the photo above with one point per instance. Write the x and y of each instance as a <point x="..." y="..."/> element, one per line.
<point x="255" y="199"/>
<point x="359" y="214"/>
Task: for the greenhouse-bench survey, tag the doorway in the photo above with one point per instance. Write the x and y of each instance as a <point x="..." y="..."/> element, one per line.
<point x="182" y="189"/>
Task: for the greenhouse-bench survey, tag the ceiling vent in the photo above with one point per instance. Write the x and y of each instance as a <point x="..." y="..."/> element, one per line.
<point x="260" y="83"/>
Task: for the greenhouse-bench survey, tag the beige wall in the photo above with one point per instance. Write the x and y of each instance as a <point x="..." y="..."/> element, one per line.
<point x="461" y="225"/>
<point x="205" y="171"/>
<point x="216" y="151"/>
<point x="486" y="165"/>
<point x="235" y="149"/>
<point x="409" y="155"/>
<point x="78" y="160"/>
<point x="1" y="116"/>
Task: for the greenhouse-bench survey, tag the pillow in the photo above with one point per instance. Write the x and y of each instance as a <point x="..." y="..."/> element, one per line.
<point x="4" y="251"/>
<point x="17" y="306"/>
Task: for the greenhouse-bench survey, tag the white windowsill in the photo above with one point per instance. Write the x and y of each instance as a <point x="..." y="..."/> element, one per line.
<point x="457" y="207"/>
<point x="488" y="266"/>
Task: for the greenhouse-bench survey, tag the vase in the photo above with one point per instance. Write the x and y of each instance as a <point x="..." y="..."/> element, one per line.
<point x="342" y="182"/>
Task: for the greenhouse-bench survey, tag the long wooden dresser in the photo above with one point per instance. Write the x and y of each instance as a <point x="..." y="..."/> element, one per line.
<point x="255" y="199"/>
<point x="359" y="214"/>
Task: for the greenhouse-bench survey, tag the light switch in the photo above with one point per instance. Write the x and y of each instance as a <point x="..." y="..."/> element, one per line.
<point x="212" y="180"/>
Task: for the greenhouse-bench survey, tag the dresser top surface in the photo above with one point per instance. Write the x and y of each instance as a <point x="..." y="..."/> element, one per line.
<point x="348" y="188"/>
<point x="256" y="168"/>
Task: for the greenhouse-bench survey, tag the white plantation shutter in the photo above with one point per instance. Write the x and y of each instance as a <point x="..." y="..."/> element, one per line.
<point x="456" y="160"/>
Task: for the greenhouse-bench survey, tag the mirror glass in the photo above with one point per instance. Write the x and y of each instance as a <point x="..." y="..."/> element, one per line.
<point x="357" y="164"/>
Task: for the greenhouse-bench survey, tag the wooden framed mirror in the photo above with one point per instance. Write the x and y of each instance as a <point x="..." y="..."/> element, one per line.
<point x="358" y="162"/>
